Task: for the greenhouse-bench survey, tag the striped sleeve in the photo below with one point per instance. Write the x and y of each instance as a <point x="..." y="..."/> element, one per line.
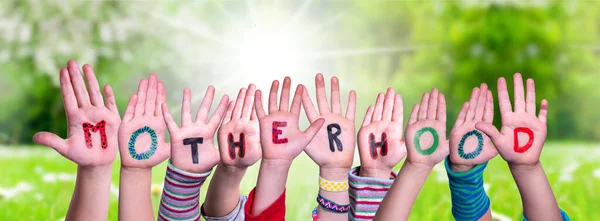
<point x="469" y="200"/>
<point x="366" y="193"/>
<point x="181" y="194"/>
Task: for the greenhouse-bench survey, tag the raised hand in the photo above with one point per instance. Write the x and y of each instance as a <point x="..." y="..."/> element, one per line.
<point x="523" y="134"/>
<point x="92" y="122"/>
<point x="380" y="141"/>
<point x="470" y="147"/>
<point x="333" y="145"/>
<point x="240" y="131"/>
<point x="192" y="147"/>
<point x="426" y="130"/>
<point x="142" y="132"/>
<point x="281" y="139"/>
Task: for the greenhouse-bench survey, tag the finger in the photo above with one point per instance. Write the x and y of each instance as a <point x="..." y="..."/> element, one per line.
<point x="503" y="99"/>
<point x="472" y="104"/>
<point x="321" y="94"/>
<point x="543" y="111"/>
<point x="186" y="116"/>
<point x="460" y="119"/>
<point x="378" y="113"/>
<point x="398" y="113"/>
<point x="481" y="101"/>
<point x="249" y="102"/>
<point x="130" y="110"/>
<point x="284" y="101"/>
<point x="351" y="108"/>
<point x="141" y="99"/>
<point x="253" y="116"/>
<point x="441" y="109"/>
<point x="151" y="95"/>
<point x="530" y="97"/>
<point x="388" y="104"/>
<point x="423" y="106"/>
<point x="368" y="116"/>
<point x="171" y="125"/>
<point x="309" y="107"/>
<point x="432" y="107"/>
<point x="162" y="98"/>
<point x="239" y="104"/>
<point x="202" y="114"/>
<point x="93" y="87"/>
<point x="488" y="116"/>
<point x="314" y="128"/>
<point x="228" y="112"/>
<point x="489" y="130"/>
<point x="297" y="101"/>
<point x="260" y="111"/>
<point x="51" y="140"/>
<point x="336" y="107"/>
<point x="414" y="114"/>
<point x="215" y="119"/>
<point x="78" y="85"/>
<point x="519" y="94"/>
<point x="68" y="96"/>
<point x="273" y="97"/>
<point x="110" y="102"/>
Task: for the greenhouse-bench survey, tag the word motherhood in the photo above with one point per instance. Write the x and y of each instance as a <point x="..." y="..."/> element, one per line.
<point x="277" y="132"/>
<point x="529" y="133"/>
<point x="240" y="144"/>
<point x="333" y="137"/>
<point x="417" y="141"/>
<point x="477" y="151"/>
<point x="145" y="155"/>
<point x="99" y="127"/>
<point x="194" y="141"/>
<point x="374" y="145"/>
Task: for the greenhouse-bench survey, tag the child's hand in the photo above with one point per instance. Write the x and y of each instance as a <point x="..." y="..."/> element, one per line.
<point x="523" y="134"/>
<point x="380" y="141"/>
<point x="93" y="123"/>
<point x="333" y="146"/>
<point x="240" y="131"/>
<point x="142" y="132"/>
<point x="280" y="137"/>
<point x="426" y="130"/>
<point x="192" y="147"/>
<point x="469" y="146"/>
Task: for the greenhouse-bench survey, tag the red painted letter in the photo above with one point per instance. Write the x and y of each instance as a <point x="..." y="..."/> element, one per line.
<point x="277" y="132"/>
<point x="89" y="128"/>
<point x="529" y="132"/>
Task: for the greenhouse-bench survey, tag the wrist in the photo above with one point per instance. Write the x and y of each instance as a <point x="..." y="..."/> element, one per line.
<point x="418" y="166"/>
<point x="231" y="170"/>
<point x="524" y="167"/>
<point x="95" y="169"/>
<point x="334" y="174"/>
<point x="133" y="170"/>
<point x="375" y="173"/>
<point x="460" y="168"/>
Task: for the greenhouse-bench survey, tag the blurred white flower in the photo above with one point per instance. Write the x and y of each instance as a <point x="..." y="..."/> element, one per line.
<point x="55" y="177"/>
<point x="20" y="188"/>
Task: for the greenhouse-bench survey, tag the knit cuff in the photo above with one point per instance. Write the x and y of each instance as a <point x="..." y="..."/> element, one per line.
<point x="366" y="193"/>
<point x="181" y="194"/>
<point x="469" y="200"/>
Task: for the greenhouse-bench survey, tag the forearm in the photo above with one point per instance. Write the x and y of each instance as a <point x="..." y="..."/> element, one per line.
<point x="368" y="187"/>
<point x="469" y="199"/>
<point x="341" y="198"/>
<point x="92" y="193"/>
<point x="272" y="178"/>
<point x="537" y="197"/>
<point x="181" y="194"/>
<point x="403" y="193"/>
<point x="223" y="193"/>
<point x="134" y="194"/>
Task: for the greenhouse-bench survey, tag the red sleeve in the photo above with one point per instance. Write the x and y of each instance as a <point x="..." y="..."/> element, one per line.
<point x="275" y="212"/>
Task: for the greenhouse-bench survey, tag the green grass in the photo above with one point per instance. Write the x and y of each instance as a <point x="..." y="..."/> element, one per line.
<point x="570" y="169"/>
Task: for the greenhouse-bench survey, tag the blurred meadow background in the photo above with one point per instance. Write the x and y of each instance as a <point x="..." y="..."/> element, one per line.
<point x="370" y="45"/>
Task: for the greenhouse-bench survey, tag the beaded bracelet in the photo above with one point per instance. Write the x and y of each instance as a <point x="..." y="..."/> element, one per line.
<point x="331" y="206"/>
<point x="315" y="214"/>
<point x="333" y="186"/>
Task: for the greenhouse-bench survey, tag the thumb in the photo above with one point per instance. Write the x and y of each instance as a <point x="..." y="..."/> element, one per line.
<point x="51" y="140"/>
<point x="311" y="131"/>
<point x="489" y="130"/>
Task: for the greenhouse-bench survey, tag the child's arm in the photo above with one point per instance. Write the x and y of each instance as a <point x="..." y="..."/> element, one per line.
<point x="426" y="146"/>
<point x="193" y="156"/>
<point x="520" y="143"/>
<point x="142" y="146"/>
<point x="239" y="146"/>
<point x="470" y="150"/>
<point x="332" y="148"/>
<point x="91" y="141"/>
<point x="380" y="147"/>
<point x="281" y="142"/>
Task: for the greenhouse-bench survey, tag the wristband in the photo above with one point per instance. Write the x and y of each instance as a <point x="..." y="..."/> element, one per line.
<point x="331" y="206"/>
<point x="366" y="193"/>
<point x="315" y="214"/>
<point x="333" y="186"/>
<point x="469" y="200"/>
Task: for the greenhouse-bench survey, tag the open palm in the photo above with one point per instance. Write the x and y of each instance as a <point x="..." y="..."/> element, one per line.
<point x="96" y="146"/>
